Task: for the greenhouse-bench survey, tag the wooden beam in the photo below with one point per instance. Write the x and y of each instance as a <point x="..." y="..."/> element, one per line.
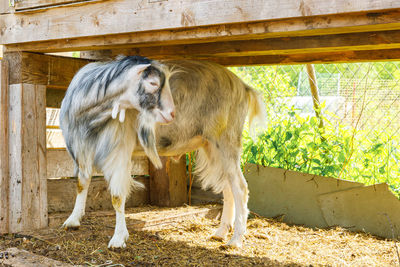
<point x="315" y="58"/>
<point x="60" y="164"/>
<point x="168" y="186"/>
<point x="4" y="168"/>
<point x="27" y="138"/>
<point x="289" y="27"/>
<point x="272" y="46"/>
<point x="30" y="4"/>
<point x="127" y="16"/>
<point x="52" y="71"/>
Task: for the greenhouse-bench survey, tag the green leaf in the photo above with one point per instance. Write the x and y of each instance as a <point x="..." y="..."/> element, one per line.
<point x="341" y="157"/>
<point x="288" y="136"/>
<point x="382" y="169"/>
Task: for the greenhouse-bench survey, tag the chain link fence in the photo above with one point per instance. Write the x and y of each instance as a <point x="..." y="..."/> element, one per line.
<point x="348" y="129"/>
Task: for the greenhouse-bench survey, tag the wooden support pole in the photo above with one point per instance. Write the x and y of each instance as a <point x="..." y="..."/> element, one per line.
<point x="168" y="186"/>
<point x="314" y="92"/>
<point x="27" y="139"/>
<point x="4" y="171"/>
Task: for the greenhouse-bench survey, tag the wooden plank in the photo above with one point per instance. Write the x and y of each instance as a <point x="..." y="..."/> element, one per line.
<point x="5" y="7"/>
<point x="4" y="171"/>
<point x="62" y="192"/>
<point x="15" y="161"/>
<point x="168" y="185"/>
<point x="272" y="46"/>
<point x="23" y="258"/>
<point x="315" y="58"/>
<point x="303" y="26"/>
<point x="29" y="4"/>
<point x="53" y="71"/>
<point x="40" y="107"/>
<point x="60" y="164"/>
<point x="28" y="190"/>
<point x="100" y="19"/>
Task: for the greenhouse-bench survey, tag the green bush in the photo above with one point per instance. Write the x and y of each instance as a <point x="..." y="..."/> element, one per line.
<point x="297" y="143"/>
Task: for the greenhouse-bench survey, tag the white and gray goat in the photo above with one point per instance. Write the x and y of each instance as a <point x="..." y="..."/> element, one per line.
<point x="211" y="107"/>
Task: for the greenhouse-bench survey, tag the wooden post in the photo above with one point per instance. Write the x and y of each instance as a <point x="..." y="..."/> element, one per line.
<point x="4" y="173"/>
<point x="168" y="186"/>
<point x="27" y="139"/>
<point x="312" y="79"/>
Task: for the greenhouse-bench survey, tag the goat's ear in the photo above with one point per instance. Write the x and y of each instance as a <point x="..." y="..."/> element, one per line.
<point x="140" y="68"/>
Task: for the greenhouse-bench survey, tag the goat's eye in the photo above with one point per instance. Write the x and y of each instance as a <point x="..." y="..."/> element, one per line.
<point x="154" y="84"/>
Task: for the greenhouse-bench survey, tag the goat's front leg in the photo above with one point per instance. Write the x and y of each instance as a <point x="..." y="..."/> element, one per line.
<point x="73" y="220"/>
<point x="119" y="179"/>
<point x="121" y="233"/>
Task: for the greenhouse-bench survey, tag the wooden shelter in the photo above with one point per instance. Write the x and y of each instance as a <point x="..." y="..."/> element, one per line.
<point x="234" y="32"/>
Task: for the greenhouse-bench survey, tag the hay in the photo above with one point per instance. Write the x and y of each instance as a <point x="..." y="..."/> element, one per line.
<point x="268" y="242"/>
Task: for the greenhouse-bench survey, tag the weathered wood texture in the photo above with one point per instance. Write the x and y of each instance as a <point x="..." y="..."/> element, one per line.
<point x="126" y="16"/>
<point x="52" y="71"/>
<point x="54" y="97"/>
<point x="4" y="171"/>
<point x="27" y="139"/>
<point x="316" y="58"/>
<point x="168" y="185"/>
<point x="272" y="46"/>
<point x="4" y="7"/>
<point x="62" y="193"/>
<point x="28" y="4"/>
<point x="60" y="164"/>
<point x="290" y="27"/>
<point x="23" y="258"/>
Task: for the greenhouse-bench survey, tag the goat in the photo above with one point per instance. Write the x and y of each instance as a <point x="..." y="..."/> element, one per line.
<point x="211" y="104"/>
<point x="136" y="88"/>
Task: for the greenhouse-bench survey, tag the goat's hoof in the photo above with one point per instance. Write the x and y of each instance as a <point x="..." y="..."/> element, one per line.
<point x="71" y="224"/>
<point x="118" y="241"/>
<point x="233" y="243"/>
<point x="217" y="238"/>
<point x="220" y="234"/>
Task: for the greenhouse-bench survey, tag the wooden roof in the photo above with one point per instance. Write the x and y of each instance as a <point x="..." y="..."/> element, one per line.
<point x="234" y="32"/>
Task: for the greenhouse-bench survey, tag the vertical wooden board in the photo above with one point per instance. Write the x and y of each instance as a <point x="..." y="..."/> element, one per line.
<point x="177" y="181"/>
<point x="30" y="166"/>
<point x="42" y="153"/>
<point x="4" y="173"/>
<point x="159" y="184"/>
<point x="4" y="7"/>
<point x="15" y="159"/>
<point x="27" y="139"/>
<point x="34" y="195"/>
<point x="168" y="185"/>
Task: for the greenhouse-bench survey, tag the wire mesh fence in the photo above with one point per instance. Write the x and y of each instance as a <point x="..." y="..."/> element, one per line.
<point x="353" y="134"/>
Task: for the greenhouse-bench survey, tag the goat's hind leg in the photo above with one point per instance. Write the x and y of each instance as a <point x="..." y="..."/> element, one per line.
<point x="240" y="195"/>
<point x="78" y="212"/>
<point x="228" y="213"/>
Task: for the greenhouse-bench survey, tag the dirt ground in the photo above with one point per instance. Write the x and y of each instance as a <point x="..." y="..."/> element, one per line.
<point x="186" y="243"/>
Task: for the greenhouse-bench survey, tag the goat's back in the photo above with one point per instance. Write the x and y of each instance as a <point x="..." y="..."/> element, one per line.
<point x="211" y="103"/>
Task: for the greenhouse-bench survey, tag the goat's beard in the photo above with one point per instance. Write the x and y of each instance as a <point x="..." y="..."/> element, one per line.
<point x="147" y="137"/>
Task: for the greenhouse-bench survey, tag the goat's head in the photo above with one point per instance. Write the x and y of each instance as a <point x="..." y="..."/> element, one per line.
<point x="155" y="94"/>
<point x="148" y="91"/>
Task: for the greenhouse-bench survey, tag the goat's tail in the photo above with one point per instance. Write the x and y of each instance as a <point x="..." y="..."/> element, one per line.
<point x="257" y="113"/>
